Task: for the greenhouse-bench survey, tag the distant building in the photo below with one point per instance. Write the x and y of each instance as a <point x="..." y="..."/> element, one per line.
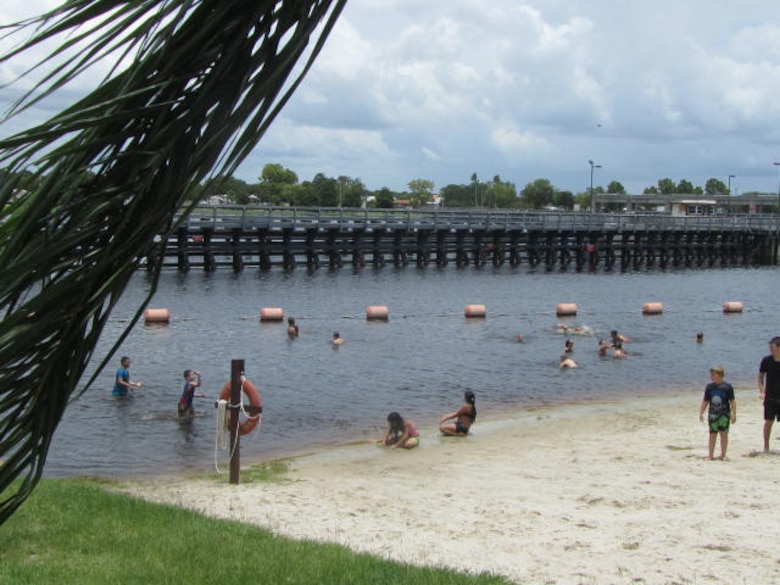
<point x="683" y="205"/>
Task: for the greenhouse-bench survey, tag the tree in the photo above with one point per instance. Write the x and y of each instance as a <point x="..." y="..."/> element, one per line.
<point x="351" y="192"/>
<point x="384" y="198"/>
<point x="326" y="189"/>
<point x="458" y="195"/>
<point x="715" y="187"/>
<point x="651" y="190"/>
<point x="274" y="183"/>
<point x="616" y="187"/>
<point x="666" y="186"/>
<point x="276" y="174"/>
<point x="685" y="186"/>
<point x="421" y="192"/>
<point x="475" y="185"/>
<point x="537" y="194"/>
<point x="563" y="199"/>
<point x="200" y="86"/>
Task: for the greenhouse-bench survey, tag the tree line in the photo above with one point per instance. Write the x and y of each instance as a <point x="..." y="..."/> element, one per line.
<point x="277" y="185"/>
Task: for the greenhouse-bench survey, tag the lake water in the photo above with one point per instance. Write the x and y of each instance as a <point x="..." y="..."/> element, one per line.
<point x="419" y="362"/>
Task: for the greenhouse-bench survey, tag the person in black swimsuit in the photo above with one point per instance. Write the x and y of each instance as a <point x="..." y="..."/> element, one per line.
<point x="457" y="424"/>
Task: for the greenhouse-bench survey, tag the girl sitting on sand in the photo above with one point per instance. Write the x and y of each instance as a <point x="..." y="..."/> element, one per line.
<point x="462" y="419"/>
<point x="400" y="433"/>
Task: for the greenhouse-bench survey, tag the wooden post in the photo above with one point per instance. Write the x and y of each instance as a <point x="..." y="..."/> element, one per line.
<point x="236" y="371"/>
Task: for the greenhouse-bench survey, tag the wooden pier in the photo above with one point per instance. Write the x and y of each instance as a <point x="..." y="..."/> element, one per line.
<point x="268" y="237"/>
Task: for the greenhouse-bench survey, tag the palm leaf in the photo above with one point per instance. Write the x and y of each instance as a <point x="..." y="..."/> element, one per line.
<point x="206" y="80"/>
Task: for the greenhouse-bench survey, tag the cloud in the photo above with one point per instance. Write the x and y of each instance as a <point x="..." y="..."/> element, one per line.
<point x="441" y="89"/>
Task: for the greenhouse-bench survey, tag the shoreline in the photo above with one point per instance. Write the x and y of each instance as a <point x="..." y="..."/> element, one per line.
<point x="601" y="493"/>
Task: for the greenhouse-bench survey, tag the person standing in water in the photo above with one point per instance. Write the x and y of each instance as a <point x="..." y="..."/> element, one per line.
<point x="122" y="384"/>
<point x="458" y="423"/>
<point x="191" y="382"/>
<point x="292" y="328"/>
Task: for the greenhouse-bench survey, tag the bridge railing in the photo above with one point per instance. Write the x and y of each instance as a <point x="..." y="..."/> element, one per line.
<point x="227" y="217"/>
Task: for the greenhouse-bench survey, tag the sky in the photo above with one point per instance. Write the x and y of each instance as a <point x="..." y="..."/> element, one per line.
<point x="442" y="89"/>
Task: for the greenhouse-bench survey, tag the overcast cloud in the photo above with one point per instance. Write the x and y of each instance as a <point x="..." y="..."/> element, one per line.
<point x="442" y="89"/>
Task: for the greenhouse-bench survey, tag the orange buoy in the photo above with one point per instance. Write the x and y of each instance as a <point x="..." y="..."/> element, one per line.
<point x="733" y="307"/>
<point x="248" y="425"/>
<point x="652" y="308"/>
<point x="271" y="314"/>
<point x="157" y="316"/>
<point x="475" y="311"/>
<point x="377" y="313"/>
<point x="566" y="310"/>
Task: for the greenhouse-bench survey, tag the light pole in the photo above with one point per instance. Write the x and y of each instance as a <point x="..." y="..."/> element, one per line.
<point x="594" y="166"/>
<point x="777" y="164"/>
<point x="728" y="195"/>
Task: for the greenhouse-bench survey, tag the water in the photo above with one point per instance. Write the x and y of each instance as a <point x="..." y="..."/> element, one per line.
<point x="419" y="363"/>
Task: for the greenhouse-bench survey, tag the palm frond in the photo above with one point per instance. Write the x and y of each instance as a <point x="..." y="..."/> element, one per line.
<point x="206" y="80"/>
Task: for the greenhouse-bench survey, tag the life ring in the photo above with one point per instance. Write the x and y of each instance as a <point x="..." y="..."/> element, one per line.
<point x="248" y="425"/>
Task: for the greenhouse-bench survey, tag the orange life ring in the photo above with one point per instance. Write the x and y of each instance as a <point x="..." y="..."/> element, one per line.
<point x="251" y="392"/>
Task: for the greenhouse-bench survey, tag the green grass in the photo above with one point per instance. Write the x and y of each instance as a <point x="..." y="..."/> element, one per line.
<point x="74" y="531"/>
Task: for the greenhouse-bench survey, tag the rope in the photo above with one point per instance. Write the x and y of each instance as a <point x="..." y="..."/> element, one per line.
<point x="219" y="442"/>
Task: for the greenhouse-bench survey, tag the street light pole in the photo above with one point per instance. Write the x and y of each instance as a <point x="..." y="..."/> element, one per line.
<point x="728" y="195"/>
<point x="594" y="166"/>
<point x="777" y="164"/>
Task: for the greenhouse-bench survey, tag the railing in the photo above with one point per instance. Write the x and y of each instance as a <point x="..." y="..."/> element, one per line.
<point x="226" y="218"/>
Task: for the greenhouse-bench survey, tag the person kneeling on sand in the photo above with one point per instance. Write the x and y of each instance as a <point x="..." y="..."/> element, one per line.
<point x="719" y="396"/>
<point x="567" y="362"/>
<point x="462" y="419"/>
<point x="400" y="433"/>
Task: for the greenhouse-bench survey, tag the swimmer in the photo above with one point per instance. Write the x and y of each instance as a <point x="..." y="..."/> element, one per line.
<point x="122" y="383"/>
<point x="520" y="339"/>
<point x="292" y="328"/>
<point x="463" y="418"/>
<point x="567" y="362"/>
<point x="568" y="346"/>
<point x="191" y="381"/>
<point x="603" y="347"/>
<point x="617" y="337"/>
<point x="618" y="351"/>
<point x="400" y="433"/>
<point x="700" y="337"/>
<point x="337" y="339"/>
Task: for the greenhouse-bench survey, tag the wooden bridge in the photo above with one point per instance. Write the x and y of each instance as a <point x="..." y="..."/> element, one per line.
<point x="265" y="237"/>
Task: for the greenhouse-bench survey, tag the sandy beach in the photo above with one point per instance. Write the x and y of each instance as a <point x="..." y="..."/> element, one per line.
<point x="615" y="493"/>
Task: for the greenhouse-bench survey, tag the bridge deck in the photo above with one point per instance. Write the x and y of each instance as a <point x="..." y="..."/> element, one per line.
<point x="227" y="218"/>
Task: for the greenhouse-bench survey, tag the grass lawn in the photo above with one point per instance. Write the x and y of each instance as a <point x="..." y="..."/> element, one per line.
<point x="74" y="531"/>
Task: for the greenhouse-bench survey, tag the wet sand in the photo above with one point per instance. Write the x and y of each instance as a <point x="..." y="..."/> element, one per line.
<point x="583" y="494"/>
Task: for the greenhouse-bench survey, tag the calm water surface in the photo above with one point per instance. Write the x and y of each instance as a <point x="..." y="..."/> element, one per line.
<point x="419" y="363"/>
